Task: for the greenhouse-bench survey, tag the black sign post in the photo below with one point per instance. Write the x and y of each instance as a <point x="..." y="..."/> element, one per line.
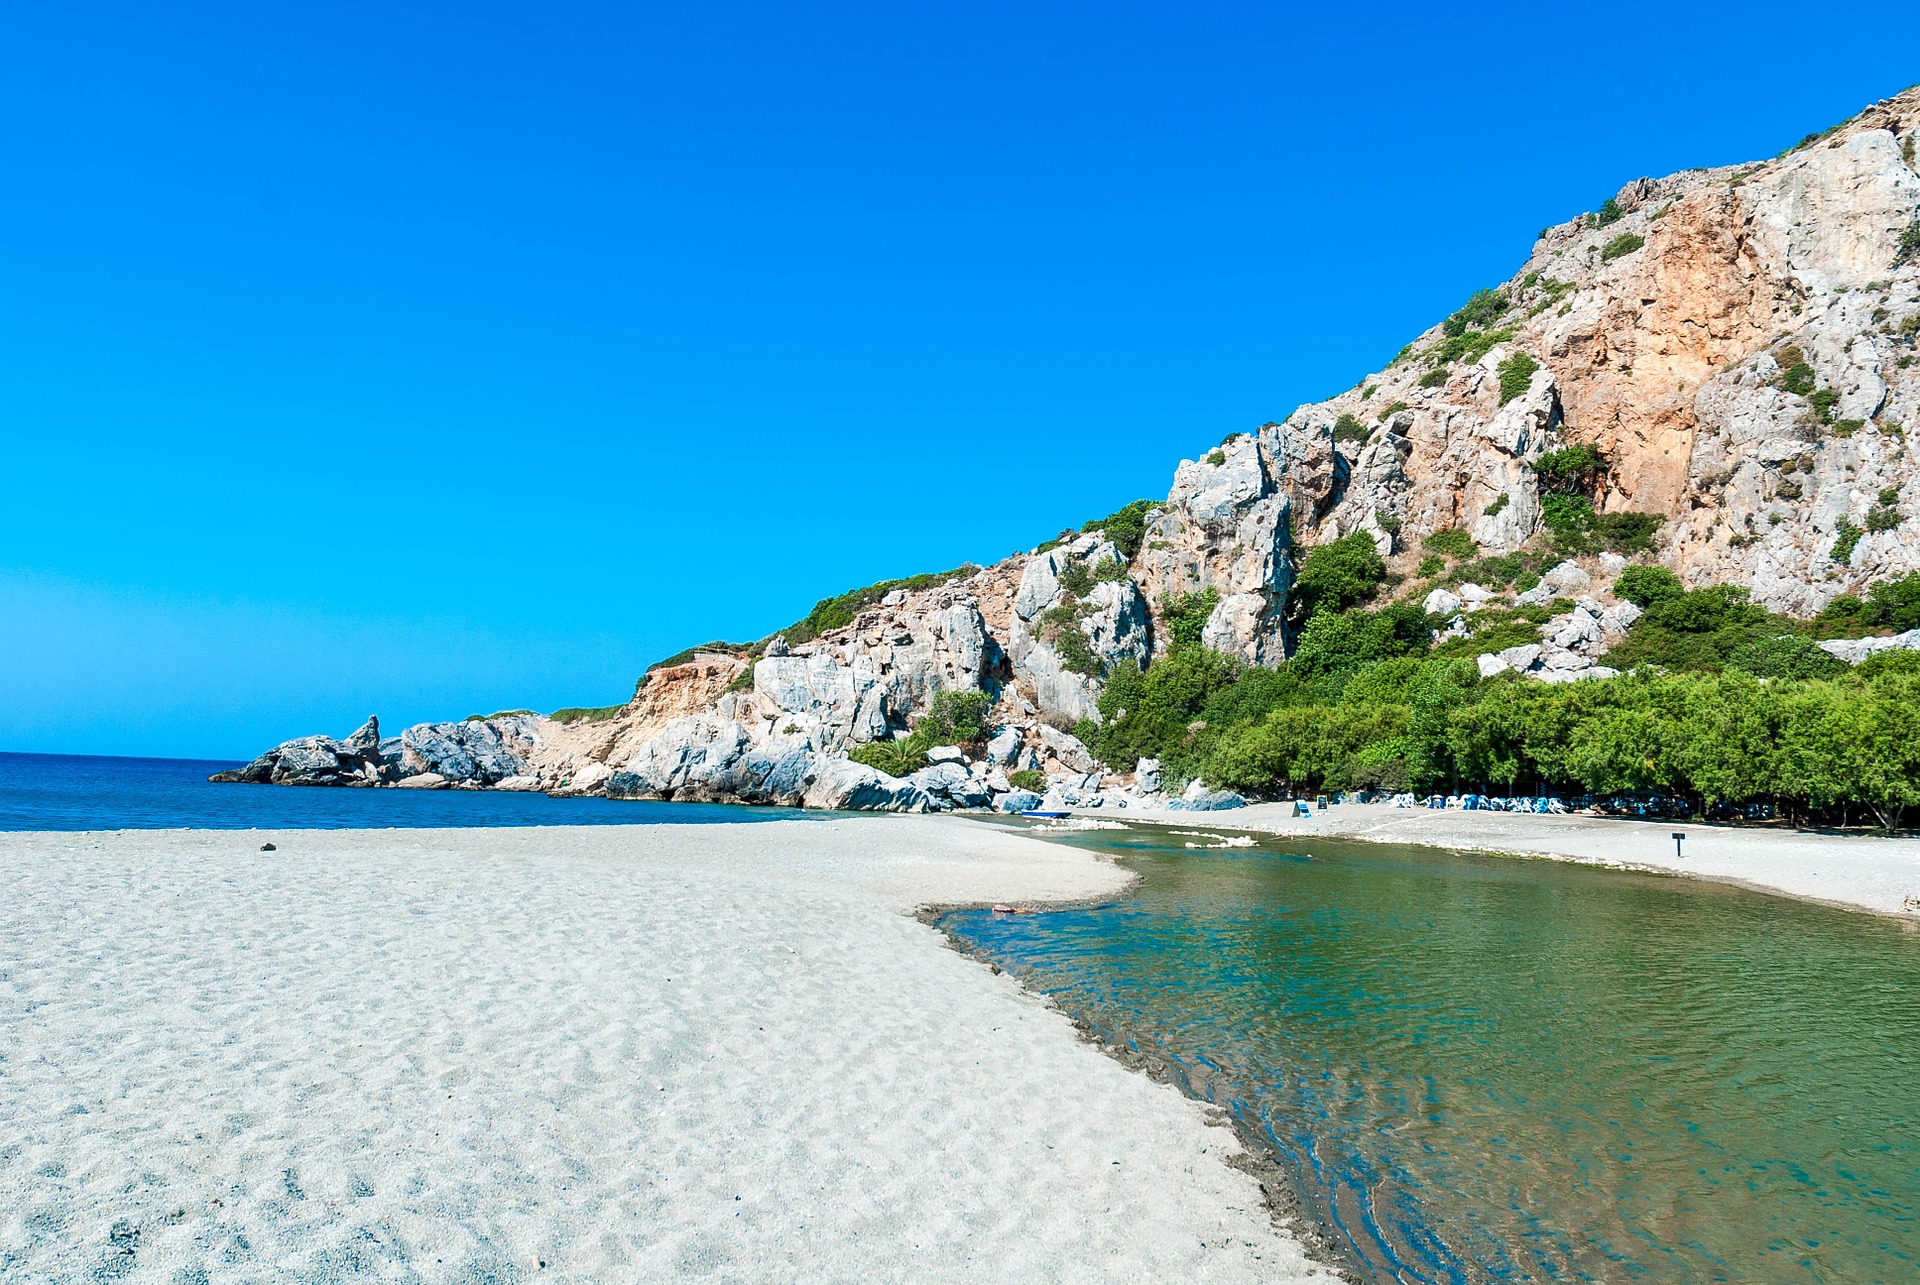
<point x="1677" y="836"/>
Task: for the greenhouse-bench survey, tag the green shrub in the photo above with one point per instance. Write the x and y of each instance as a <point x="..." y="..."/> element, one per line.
<point x="1823" y="400"/>
<point x="1609" y="212"/>
<point x="1126" y="527"/>
<point x="1480" y="311"/>
<point x="1895" y="604"/>
<point x="1186" y="614"/>
<point x="1335" y="643"/>
<point x="1627" y="532"/>
<point x="1087" y="732"/>
<point x="507" y="713"/>
<point x="1435" y="378"/>
<point x="1109" y="570"/>
<point x="1577" y="529"/>
<point x="1075" y="651"/>
<point x="1849" y="536"/>
<point x="958" y="718"/>
<point x="1516" y="375"/>
<point x="1496" y="507"/>
<point x="1798" y="379"/>
<point x="1431" y="565"/>
<point x="1393" y="410"/>
<point x="895" y="758"/>
<point x="1909" y="245"/>
<point x="1644" y="585"/>
<point x="1889" y="495"/>
<point x="1468" y="347"/>
<point x="1217" y="458"/>
<point x="1028" y="779"/>
<point x="1151" y="712"/>
<point x="838" y="612"/>
<point x="1076" y="578"/>
<point x="1572" y="470"/>
<point x="1883" y="519"/>
<point x="1848" y="427"/>
<point x="1783" y="655"/>
<point x="1349" y="429"/>
<point x="575" y="714"/>
<point x="1625" y="243"/>
<point x="1453" y="542"/>
<point x="1338" y="574"/>
<point x="743" y="681"/>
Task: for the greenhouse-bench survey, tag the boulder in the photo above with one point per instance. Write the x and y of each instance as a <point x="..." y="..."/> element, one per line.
<point x="1522" y="657"/>
<point x="472" y="751"/>
<point x="365" y="741"/>
<point x="841" y="784"/>
<point x="946" y="754"/>
<point x="1855" y="650"/>
<point x="1004" y="746"/>
<point x="1441" y="603"/>
<point x="1490" y="664"/>
<point x="1146" y="775"/>
<point x="1017" y="801"/>
<point x="1067" y="748"/>
<point x="422" y="781"/>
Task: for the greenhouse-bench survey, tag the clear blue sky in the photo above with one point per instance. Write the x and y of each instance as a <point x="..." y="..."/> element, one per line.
<point x="435" y="361"/>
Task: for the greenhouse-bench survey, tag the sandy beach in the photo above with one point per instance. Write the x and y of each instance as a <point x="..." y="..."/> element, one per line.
<point x="1859" y="871"/>
<point x="592" y="1053"/>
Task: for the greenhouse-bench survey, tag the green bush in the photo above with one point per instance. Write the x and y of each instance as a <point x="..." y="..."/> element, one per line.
<point x="1609" y="212"/>
<point x="1336" y="643"/>
<point x="958" y="718"/>
<point x="1909" y="245"/>
<point x="743" y="681"/>
<point x="1823" y="400"/>
<point x="895" y="758"/>
<point x="1570" y="471"/>
<point x="1577" y="529"/>
<point x="1087" y="732"/>
<point x="1337" y="575"/>
<point x="1431" y="565"/>
<point x="1076" y="578"/>
<point x="1849" y="536"/>
<point x="1516" y="375"/>
<point x="1497" y="506"/>
<point x="1625" y="243"/>
<point x="1349" y="429"/>
<point x="1644" y="585"/>
<point x="1151" y="713"/>
<point x="1453" y="542"/>
<point x="1393" y="410"/>
<point x="1075" y="651"/>
<point x="1185" y="615"/>
<point x="1469" y="347"/>
<point x="576" y="714"/>
<point x="1126" y="526"/>
<point x="1895" y="604"/>
<point x="1435" y="378"/>
<point x="838" y="612"/>
<point x="1217" y="458"/>
<point x="1028" y="779"/>
<point x="1798" y="379"/>
<point x="1479" y="312"/>
<point x="1882" y="519"/>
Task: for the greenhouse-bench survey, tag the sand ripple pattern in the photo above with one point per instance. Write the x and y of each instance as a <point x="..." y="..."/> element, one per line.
<point x="622" y="1053"/>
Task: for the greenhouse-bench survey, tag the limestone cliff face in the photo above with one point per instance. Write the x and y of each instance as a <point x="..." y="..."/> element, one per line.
<point x="1655" y="329"/>
<point x="1665" y="356"/>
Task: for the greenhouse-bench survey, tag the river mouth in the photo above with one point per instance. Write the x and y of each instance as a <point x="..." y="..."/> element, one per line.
<point x="1479" y="1068"/>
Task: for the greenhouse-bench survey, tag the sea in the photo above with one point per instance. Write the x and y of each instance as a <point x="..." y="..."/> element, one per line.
<point x="84" y="792"/>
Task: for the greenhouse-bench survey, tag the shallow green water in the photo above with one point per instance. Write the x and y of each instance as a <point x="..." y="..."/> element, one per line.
<point x="1482" y="1068"/>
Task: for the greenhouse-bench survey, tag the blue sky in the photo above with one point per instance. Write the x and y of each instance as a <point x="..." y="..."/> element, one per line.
<point x="474" y="357"/>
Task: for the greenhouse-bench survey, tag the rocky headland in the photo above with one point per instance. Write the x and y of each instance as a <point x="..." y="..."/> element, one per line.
<point x="1713" y="373"/>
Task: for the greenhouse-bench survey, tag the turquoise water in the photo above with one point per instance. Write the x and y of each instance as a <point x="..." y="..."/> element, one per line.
<point x="1488" y="1069"/>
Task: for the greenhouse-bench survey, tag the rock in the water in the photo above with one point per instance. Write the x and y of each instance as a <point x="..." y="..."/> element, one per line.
<point x="1017" y="801"/>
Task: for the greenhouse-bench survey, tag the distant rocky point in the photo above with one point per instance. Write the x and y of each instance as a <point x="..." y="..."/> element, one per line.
<point x="1724" y="359"/>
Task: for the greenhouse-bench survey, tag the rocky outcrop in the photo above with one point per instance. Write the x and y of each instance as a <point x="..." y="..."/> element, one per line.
<point x="1738" y="343"/>
<point x="1228" y="526"/>
<point x="359" y="761"/>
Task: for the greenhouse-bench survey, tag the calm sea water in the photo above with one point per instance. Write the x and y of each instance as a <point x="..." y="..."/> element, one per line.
<point x="1486" y="1069"/>
<point x="67" y="792"/>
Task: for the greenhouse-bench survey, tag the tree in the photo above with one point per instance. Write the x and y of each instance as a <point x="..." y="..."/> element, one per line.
<point x="1337" y="575"/>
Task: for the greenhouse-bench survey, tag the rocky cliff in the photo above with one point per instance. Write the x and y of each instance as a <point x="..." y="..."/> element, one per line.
<point x="1736" y="344"/>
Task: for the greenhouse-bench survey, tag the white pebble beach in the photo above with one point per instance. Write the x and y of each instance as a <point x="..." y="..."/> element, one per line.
<point x="593" y="1053"/>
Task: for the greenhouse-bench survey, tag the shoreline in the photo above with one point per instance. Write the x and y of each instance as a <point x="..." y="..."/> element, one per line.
<point x="1849" y="872"/>
<point x="597" y="1050"/>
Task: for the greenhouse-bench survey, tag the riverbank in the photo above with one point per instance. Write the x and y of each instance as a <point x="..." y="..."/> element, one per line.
<point x="1857" y="871"/>
<point x="609" y="1052"/>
